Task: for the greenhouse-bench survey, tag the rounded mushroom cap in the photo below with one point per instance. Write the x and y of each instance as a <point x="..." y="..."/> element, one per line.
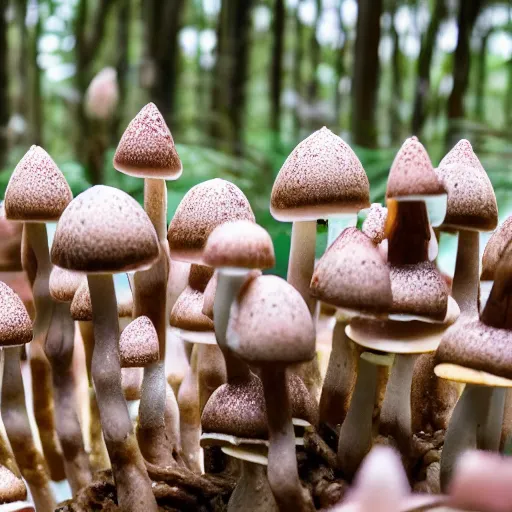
<point x="240" y="243"/>
<point x="238" y="408"/>
<point x="138" y="344"/>
<point x="322" y="176"/>
<point x="471" y="200"/>
<point x="187" y="313"/>
<point x="37" y="190"/>
<point x="15" y="323"/>
<point x="64" y="283"/>
<point x="473" y="344"/>
<point x="352" y="274"/>
<point x="12" y="488"/>
<point x="104" y="230"/>
<point x="419" y="290"/>
<point x="199" y="277"/>
<point x="271" y="323"/>
<point x="412" y="173"/>
<point x="146" y="149"/>
<point x="495" y="248"/>
<point x="374" y="226"/>
<point x="203" y="208"/>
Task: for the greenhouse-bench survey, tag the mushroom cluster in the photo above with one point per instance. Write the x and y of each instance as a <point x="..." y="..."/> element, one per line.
<point x="246" y="418"/>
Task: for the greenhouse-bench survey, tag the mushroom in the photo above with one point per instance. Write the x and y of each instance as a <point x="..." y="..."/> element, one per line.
<point x="146" y="150"/>
<point x="271" y="327"/>
<point x="374" y="225"/>
<point x="59" y="350"/>
<point x="104" y="231"/>
<point x="37" y="192"/>
<point x="15" y="331"/>
<point x="235" y="249"/>
<point x="13" y="492"/>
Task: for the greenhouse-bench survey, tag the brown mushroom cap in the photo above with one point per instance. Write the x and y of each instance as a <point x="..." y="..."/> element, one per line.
<point x="187" y="313"/>
<point x="203" y="208"/>
<point x="15" y="323"/>
<point x="473" y="344"/>
<point x="12" y="488"/>
<point x="199" y="277"/>
<point x="37" y="190"/>
<point x="412" y="173"/>
<point x="240" y="243"/>
<point x="146" y="149"/>
<point x="64" y="283"/>
<point x="495" y="248"/>
<point x="419" y="290"/>
<point x="271" y="323"/>
<point x="352" y="274"/>
<point x="322" y="176"/>
<point x="471" y="200"/>
<point x="138" y="344"/>
<point x="374" y="226"/>
<point x="104" y="230"/>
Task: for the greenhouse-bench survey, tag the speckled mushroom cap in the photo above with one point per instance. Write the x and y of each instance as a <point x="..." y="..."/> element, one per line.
<point x="131" y="382"/>
<point x="37" y="190"/>
<point x="241" y="244"/>
<point x="322" y="176"/>
<point x="374" y="226"/>
<point x="473" y="344"/>
<point x="412" y="174"/>
<point x="419" y="290"/>
<point x="199" y="277"/>
<point x="104" y="230"/>
<point x="352" y="274"/>
<point x="203" y="208"/>
<point x="146" y="149"/>
<point x="471" y="200"/>
<point x="271" y="323"/>
<point x="238" y="409"/>
<point x="12" y="488"/>
<point x="138" y="344"/>
<point x="495" y="248"/>
<point x="15" y="324"/>
<point x="64" y="283"/>
<point x="187" y="313"/>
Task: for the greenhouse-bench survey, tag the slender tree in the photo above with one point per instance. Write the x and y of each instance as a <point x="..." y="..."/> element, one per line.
<point x="297" y="68"/>
<point x="397" y="71"/>
<point x="314" y="55"/>
<point x="481" y="76"/>
<point x="276" y="70"/>
<point x="36" y="92"/>
<point x="339" y="64"/>
<point x="21" y="100"/>
<point x="4" y="84"/>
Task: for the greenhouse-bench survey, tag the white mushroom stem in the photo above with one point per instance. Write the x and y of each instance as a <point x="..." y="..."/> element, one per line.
<point x="39" y="365"/>
<point x="467" y="270"/>
<point x="229" y="282"/>
<point x="395" y="413"/>
<point x="17" y="426"/>
<point x="489" y="436"/>
<point x="59" y="350"/>
<point x="283" y="475"/>
<point x="134" y="491"/>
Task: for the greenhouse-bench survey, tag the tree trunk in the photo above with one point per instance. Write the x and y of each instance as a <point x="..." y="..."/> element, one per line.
<point x="297" y="68"/>
<point x="315" y="53"/>
<point x="230" y="74"/>
<point x="339" y="66"/>
<point x="481" y="78"/>
<point x="21" y="101"/>
<point x="365" y="81"/>
<point x="36" y="88"/>
<point x="276" y="70"/>
<point x="423" y="67"/>
<point x="397" y="82"/>
<point x="4" y="84"/>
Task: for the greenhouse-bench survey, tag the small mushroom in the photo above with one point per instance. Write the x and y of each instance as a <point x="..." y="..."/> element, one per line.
<point x="13" y="492"/>
<point x="138" y="344"/>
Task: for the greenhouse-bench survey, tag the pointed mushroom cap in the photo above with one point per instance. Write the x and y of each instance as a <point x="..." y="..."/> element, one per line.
<point x="131" y="382"/>
<point x="201" y="210"/>
<point x="495" y="248"/>
<point x="374" y="226"/>
<point x="15" y="324"/>
<point x="322" y="176"/>
<point x="104" y="230"/>
<point x="352" y="274"/>
<point x="419" y="290"/>
<point x="412" y="173"/>
<point x="473" y="344"/>
<point x="187" y="312"/>
<point x="471" y="199"/>
<point x="138" y="344"/>
<point x="271" y="323"/>
<point x="12" y="488"/>
<point x="37" y="190"/>
<point x="199" y="277"/>
<point x="241" y="244"/>
<point x="146" y="149"/>
<point x="64" y="283"/>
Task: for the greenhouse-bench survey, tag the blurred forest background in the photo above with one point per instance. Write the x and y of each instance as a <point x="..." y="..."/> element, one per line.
<point x="240" y="82"/>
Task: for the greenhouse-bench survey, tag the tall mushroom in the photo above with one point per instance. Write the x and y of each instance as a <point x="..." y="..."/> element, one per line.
<point x="37" y="193"/>
<point x="271" y="327"/>
<point x="146" y="150"/>
<point x="104" y="231"/>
